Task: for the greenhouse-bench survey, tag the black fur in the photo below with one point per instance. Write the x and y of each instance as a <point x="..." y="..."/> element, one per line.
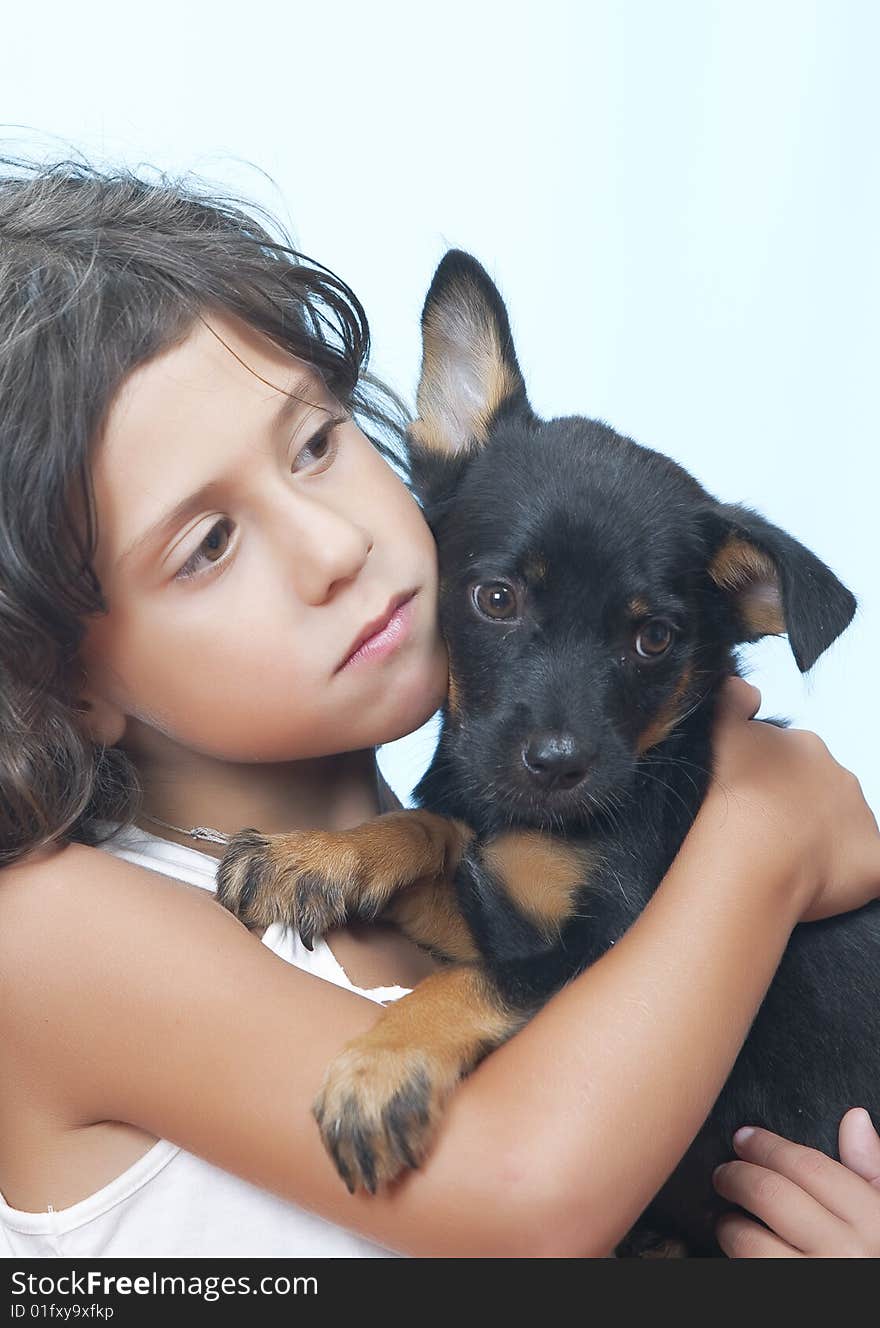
<point x="613" y="522"/>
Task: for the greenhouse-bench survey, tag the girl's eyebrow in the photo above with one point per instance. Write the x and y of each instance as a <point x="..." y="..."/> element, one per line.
<point x="181" y="510"/>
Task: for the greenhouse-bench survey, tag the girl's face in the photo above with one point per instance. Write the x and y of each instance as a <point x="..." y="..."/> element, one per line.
<point x="228" y="618"/>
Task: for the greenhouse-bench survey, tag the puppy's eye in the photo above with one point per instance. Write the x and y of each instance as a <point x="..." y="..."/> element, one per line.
<point x="495" y="599"/>
<point x="654" y="638"/>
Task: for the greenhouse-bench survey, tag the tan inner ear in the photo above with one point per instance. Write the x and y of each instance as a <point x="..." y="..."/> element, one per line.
<point x="464" y="375"/>
<point x="751" y="579"/>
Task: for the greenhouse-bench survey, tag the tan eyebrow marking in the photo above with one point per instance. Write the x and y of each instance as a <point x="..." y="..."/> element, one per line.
<point x="535" y="567"/>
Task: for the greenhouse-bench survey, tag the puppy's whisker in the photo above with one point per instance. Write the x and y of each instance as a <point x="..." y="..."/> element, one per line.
<point x="672" y="761"/>
<point x="620" y="886"/>
<point x="675" y="793"/>
<point x="695" y="707"/>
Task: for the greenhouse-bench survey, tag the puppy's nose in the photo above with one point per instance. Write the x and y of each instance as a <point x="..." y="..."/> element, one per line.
<point x="555" y="760"/>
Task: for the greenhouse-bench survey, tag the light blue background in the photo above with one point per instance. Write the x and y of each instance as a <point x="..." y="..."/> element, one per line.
<point x="679" y="202"/>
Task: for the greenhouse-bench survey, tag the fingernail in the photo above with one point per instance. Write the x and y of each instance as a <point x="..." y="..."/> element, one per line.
<point x="718" y="1170"/>
<point x="744" y="1134"/>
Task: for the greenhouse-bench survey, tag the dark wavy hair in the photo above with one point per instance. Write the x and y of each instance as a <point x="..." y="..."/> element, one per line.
<point x="99" y="271"/>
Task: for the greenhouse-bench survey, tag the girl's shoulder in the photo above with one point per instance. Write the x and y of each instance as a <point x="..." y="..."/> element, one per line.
<point x="55" y="894"/>
<point x="97" y="951"/>
<point x="59" y="868"/>
<point x="83" y="933"/>
<point x="73" y="898"/>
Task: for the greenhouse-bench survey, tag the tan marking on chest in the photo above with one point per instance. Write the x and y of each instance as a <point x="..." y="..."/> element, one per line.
<point x="540" y="874"/>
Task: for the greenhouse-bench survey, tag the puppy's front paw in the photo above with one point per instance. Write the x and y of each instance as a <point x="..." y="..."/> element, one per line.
<point x="378" y="1109"/>
<point x="307" y="879"/>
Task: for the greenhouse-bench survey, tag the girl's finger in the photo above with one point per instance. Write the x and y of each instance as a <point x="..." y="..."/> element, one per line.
<point x="834" y="1187"/>
<point x="741" y="1239"/>
<point x="859" y="1145"/>
<point x="739" y="697"/>
<point x="789" y="1211"/>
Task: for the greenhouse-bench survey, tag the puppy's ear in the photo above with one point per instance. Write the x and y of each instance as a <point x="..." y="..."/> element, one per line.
<point x="469" y="371"/>
<point x="775" y="584"/>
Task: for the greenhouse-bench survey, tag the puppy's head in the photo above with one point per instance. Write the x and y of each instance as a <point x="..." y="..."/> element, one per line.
<point x="591" y="590"/>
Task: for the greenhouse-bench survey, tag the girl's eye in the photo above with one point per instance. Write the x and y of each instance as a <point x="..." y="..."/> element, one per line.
<point x="495" y="599"/>
<point x="215" y="549"/>
<point x="322" y="445"/>
<point x="654" y="638"/>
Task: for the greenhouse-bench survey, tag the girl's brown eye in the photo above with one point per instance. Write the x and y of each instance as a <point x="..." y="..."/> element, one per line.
<point x="325" y="443"/>
<point x="322" y="442"/>
<point x="212" y="545"/>
<point x="209" y="553"/>
<point x="495" y="599"/>
<point x="654" y="638"/>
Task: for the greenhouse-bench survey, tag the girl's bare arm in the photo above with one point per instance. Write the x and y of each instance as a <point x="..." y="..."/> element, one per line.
<point x="150" y="1004"/>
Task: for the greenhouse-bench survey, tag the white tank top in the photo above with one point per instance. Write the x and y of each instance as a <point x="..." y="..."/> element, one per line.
<point x="171" y="1203"/>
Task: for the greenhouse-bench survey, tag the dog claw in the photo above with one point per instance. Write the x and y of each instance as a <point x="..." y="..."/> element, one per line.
<point x="346" y="1176"/>
<point x="307" y="936"/>
<point x="264" y="879"/>
<point x="376" y="1112"/>
<point x="240" y="874"/>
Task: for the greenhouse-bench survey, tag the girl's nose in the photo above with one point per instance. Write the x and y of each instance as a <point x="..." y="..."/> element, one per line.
<point x="320" y="545"/>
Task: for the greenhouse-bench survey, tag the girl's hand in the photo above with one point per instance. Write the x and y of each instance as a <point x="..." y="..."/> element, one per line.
<point x="816" y="1208"/>
<point x="783" y="791"/>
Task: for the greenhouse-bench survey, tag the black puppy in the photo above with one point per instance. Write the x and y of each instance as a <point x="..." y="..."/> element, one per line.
<point x="592" y="595"/>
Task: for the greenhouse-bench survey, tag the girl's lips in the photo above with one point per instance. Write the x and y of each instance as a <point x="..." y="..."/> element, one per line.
<point x="390" y="637"/>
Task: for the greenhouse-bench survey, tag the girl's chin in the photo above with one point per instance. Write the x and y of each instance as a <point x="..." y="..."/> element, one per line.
<point x="421" y="709"/>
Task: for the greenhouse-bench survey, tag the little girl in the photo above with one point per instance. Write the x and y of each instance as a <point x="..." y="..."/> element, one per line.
<point x="194" y="532"/>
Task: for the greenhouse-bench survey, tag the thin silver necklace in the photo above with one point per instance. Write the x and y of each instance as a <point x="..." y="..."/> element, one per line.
<point x="205" y="831"/>
<point x="194" y="832"/>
